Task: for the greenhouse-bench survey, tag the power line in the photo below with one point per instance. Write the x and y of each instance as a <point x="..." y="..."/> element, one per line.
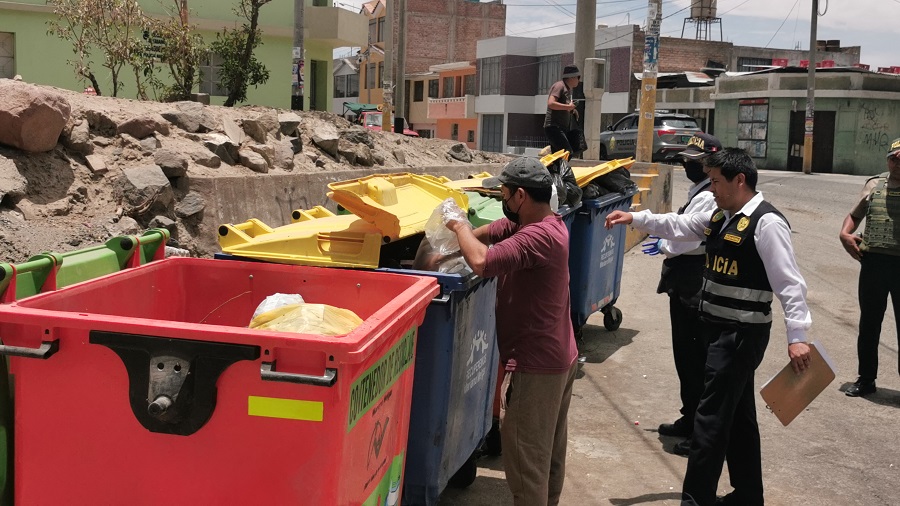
<point x="633" y="9"/>
<point x="782" y="23"/>
<point x="742" y="3"/>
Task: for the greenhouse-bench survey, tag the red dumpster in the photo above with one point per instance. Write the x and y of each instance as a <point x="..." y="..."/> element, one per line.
<point x="146" y="387"/>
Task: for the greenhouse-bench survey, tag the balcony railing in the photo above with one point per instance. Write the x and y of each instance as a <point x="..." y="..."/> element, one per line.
<point x="452" y="108"/>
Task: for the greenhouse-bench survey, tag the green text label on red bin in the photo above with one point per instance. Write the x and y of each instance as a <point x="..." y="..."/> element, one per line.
<point x="376" y="380"/>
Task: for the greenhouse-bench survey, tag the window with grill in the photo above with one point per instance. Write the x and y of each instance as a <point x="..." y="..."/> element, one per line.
<point x="454" y="131"/>
<point x="381" y="29"/>
<point x="353" y="85"/>
<point x="549" y="71"/>
<point x="209" y="76"/>
<point x="373" y="31"/>
<point x="380" y="74"/>
<point x="433" y="88"/>
<point x="471" y="136"/>
<point x="753" y="127"/>
<point x="469" y="85"/>
<point x="490" y="75"/>
<point x="340" y="86"/>
<point x="448" y="88"/>
<point x="419" y="91"/>
<point x="7" y="55"/>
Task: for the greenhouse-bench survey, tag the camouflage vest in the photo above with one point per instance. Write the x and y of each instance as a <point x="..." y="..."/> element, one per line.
<point x="883" y="220"/>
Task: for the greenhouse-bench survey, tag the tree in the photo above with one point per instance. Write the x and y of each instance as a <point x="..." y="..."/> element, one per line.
<point x="182" y="51"/>
<point x="240" y="68"/>
<point x="110" y="26"/>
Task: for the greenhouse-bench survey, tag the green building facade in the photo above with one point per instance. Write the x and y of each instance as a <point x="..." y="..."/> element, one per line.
<point x="857" y="115"/>
<point x="27" y="50"/>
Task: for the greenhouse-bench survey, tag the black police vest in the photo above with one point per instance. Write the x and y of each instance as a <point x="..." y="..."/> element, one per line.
<point x="736" y="290"/>
<point x="682" y="275"/>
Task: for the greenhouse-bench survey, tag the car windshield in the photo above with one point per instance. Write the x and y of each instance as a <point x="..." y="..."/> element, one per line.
<point x="373" y="119"/>
<point x="675" y="123"/>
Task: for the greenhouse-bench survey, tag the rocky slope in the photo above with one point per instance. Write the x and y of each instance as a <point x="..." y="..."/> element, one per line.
<point x="76" y="169"/>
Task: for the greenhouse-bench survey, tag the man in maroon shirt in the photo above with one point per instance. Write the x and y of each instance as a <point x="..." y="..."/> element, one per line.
<point x="529" y="252"/>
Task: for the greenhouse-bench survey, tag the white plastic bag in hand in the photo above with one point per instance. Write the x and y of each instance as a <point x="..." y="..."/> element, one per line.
<point x="443" y="240"/>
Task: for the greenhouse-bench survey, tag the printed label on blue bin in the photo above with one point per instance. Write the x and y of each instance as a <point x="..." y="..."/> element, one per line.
<point x="608" y="251"/>
<point x="376" y="380"/>
<point x="476" y="366"/>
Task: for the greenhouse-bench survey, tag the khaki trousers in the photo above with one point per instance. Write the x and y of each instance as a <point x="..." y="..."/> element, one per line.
<point x="533" y="431"/>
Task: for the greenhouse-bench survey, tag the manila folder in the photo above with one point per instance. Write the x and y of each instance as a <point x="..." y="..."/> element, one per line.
<point x="787" y="394"/>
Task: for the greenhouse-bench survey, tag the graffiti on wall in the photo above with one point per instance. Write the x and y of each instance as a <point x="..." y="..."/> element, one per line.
<point x="874" y="131"/>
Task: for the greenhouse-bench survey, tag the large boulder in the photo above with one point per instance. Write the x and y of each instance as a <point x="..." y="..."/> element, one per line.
<point x="356" y="154"/>
<point x="144" y="126"/>
<point x="173" y="163"/>
<point x="223" y="147"/>
<point x="78" y="138"/>
<point x="253" y="160"/>
<point x="31" y="117"/>
<point x="288" y="123"/>
<point x="192" y="203"/>
<point x="12" y="183"/>
<point x="188" y="116"/>
<point x="326" y="138"/>
<point x="460" y="152"/>
<point x="261" y="127"/>
<point x="359" y="136"/>
<point x="146" y="190"/>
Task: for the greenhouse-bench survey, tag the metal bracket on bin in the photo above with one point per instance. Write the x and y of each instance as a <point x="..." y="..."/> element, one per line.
<point x="268" y="373"/>
<point x="45" y="351"/>
<point x="172" y="382"/>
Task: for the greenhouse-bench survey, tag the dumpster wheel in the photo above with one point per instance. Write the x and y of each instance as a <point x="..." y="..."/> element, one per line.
<point x="612" y="318"/>
<point x="466" y="474"/>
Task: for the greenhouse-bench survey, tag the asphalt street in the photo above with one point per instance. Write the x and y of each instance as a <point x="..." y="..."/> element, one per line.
<point x="840" y="451"/>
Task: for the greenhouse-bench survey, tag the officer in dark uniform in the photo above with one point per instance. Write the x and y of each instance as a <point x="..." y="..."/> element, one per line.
<point x="681" y="279"/>
<point x="879" y="254"/>
<point x="749" y="257"/>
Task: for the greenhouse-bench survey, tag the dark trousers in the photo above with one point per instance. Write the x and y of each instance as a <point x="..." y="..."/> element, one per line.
<point x="557" y="138"/>
<point x="725" y="427"/>
<point x="879" y="276"/>
<point x="689" y="349"/>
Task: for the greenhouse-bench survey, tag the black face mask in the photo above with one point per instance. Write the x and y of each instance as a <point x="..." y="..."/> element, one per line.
<point x="510" y="215"/>
<point x="694" y="170"/>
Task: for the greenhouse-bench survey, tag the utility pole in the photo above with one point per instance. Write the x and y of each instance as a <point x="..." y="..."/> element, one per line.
<point x="400" y="92"/>
<point x="386" y="76"/>
<point x="644" y="151"/>
<point x="297" y="54"/>
<point x="810" y="92"/>
<point x="585" y="37"/>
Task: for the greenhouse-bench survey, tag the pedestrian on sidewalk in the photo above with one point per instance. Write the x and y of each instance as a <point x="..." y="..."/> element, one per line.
<point x="749" y="257"/>
<point x="561" y="109"/>
<point x="682" y="279"/>
<point x="878" y="252"/>
<point x="528" y="251"/>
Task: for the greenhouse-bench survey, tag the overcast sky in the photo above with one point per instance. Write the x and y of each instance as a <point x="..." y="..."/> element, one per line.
<point x="762" y="23"/>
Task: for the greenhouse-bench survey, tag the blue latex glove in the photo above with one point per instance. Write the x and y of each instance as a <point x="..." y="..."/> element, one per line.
<point x="651" y="247"/>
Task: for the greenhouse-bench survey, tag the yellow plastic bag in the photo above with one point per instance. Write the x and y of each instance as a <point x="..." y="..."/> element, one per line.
<point x="319" y="319"/>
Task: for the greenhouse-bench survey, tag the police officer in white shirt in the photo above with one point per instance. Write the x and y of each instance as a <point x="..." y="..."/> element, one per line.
<point x="682" y="279"/>
<point x="749" y="257"/>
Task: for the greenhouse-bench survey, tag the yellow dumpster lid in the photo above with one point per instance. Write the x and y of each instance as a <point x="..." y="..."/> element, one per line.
<point x="397" y="204"/>
<point x="584" y="175"/>
<point x="552" y="157"/>
<point x="473" y="181"/>
<point x="317" y="237"/>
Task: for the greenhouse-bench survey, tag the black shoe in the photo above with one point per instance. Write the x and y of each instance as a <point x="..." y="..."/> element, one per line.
<point x="683" y="448"/>
<point x="681" y="428"/>
<point x="733" y="500"/>
<point x="861" y="388"/>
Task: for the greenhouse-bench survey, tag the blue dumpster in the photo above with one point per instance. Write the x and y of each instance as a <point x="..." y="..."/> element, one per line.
<point x="453" y="386"/>
<point x="595" y="261"/>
